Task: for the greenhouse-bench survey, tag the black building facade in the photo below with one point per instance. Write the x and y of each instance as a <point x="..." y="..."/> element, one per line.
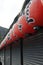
<point x="28" y="51"/>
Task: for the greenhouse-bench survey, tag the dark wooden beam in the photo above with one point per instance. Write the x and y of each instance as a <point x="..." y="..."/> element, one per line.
<point x="21" y="50"/>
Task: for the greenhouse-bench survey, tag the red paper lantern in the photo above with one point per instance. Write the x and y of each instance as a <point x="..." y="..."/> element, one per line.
<point x="34" y="10"/>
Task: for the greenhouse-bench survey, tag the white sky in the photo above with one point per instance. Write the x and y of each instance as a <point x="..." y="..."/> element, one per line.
<point x="8" y="11"/>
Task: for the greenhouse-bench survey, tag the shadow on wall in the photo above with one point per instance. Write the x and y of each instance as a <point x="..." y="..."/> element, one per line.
<point x="0" y="63"/>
